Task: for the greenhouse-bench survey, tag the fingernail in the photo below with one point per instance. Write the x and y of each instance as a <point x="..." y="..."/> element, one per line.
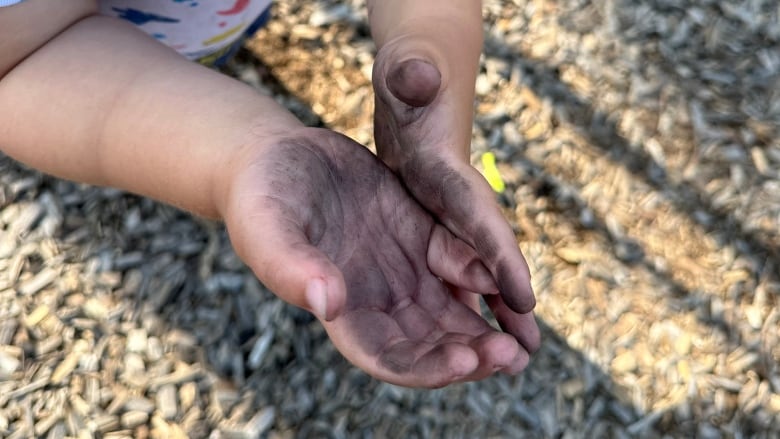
<point x="317" y="297"/>
<point x="415" y="82"/>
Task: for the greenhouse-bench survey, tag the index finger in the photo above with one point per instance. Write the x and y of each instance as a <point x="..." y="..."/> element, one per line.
<point x="474" y="216"/>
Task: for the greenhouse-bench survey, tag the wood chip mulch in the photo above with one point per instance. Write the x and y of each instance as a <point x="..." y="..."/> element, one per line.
<point x="639" y="144"/>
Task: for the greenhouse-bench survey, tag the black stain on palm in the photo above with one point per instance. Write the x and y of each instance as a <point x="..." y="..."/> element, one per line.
<point x="371" y="329"/>
<point x="367" y="286"/>
<point x="355" y="210"/>
<point x="399" y="358"/>
<point x="347" y="200"/>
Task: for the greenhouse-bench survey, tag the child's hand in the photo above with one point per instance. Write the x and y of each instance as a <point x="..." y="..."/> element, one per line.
<point x="325" y="225"/>
<point x="419" y="128"/>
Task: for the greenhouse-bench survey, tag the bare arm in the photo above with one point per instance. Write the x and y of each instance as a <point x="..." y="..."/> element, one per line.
<point x="93" y="99"/>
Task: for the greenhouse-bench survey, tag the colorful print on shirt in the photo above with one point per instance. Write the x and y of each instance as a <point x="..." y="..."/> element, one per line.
<point x="202" y="30"/>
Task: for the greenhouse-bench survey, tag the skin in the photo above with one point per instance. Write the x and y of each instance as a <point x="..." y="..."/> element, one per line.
<point x="333" y="204"/>
<point x="391" y="267"/>
<point x="423" y="79"/>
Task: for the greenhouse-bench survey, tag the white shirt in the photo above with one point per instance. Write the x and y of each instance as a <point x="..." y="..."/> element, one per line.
<point x="203" y="30"/>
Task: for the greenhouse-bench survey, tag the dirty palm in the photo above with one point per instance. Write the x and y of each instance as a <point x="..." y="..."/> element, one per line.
<point x="402" y="319"/>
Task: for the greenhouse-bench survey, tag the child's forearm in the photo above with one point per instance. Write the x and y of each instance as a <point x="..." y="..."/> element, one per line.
<point x="448" y="33"/>
<point x="105" y="104"/>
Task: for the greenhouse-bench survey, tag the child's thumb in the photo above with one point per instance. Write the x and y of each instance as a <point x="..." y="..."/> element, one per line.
<point x="414" y="82"/>
<point x="296" y="271"/>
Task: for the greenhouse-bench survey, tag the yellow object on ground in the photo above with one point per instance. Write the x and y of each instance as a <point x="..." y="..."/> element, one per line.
<point x="491" y="173"/>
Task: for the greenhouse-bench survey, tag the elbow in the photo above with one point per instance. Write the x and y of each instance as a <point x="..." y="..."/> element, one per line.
<point x="28" y="26"/>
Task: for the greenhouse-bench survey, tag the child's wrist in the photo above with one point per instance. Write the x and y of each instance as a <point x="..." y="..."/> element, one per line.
<point x="259" y="139"/>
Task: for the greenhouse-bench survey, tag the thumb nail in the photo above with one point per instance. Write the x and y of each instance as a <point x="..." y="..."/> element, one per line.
<point x="414" y="82"/>
<point x="317" y="297"/>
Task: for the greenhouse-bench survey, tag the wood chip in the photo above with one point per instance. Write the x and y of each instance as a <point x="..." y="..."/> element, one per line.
<point x="640" y="147"/>
<point x="166" y="401"/>
<point x="133" y="419"/>
<point x="40" y="281"/>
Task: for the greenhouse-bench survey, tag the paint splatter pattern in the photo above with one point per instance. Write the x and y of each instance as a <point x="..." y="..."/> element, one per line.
<point x="202" y="30"/>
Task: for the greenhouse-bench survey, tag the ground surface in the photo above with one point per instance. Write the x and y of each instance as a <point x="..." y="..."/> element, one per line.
<point x="639" y="142"/>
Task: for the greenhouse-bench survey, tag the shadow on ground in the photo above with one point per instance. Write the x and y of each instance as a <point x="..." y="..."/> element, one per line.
<point x="177" y="277"/>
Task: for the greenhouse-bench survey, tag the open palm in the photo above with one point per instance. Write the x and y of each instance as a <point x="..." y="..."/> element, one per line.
<point x="327" y="226"/>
